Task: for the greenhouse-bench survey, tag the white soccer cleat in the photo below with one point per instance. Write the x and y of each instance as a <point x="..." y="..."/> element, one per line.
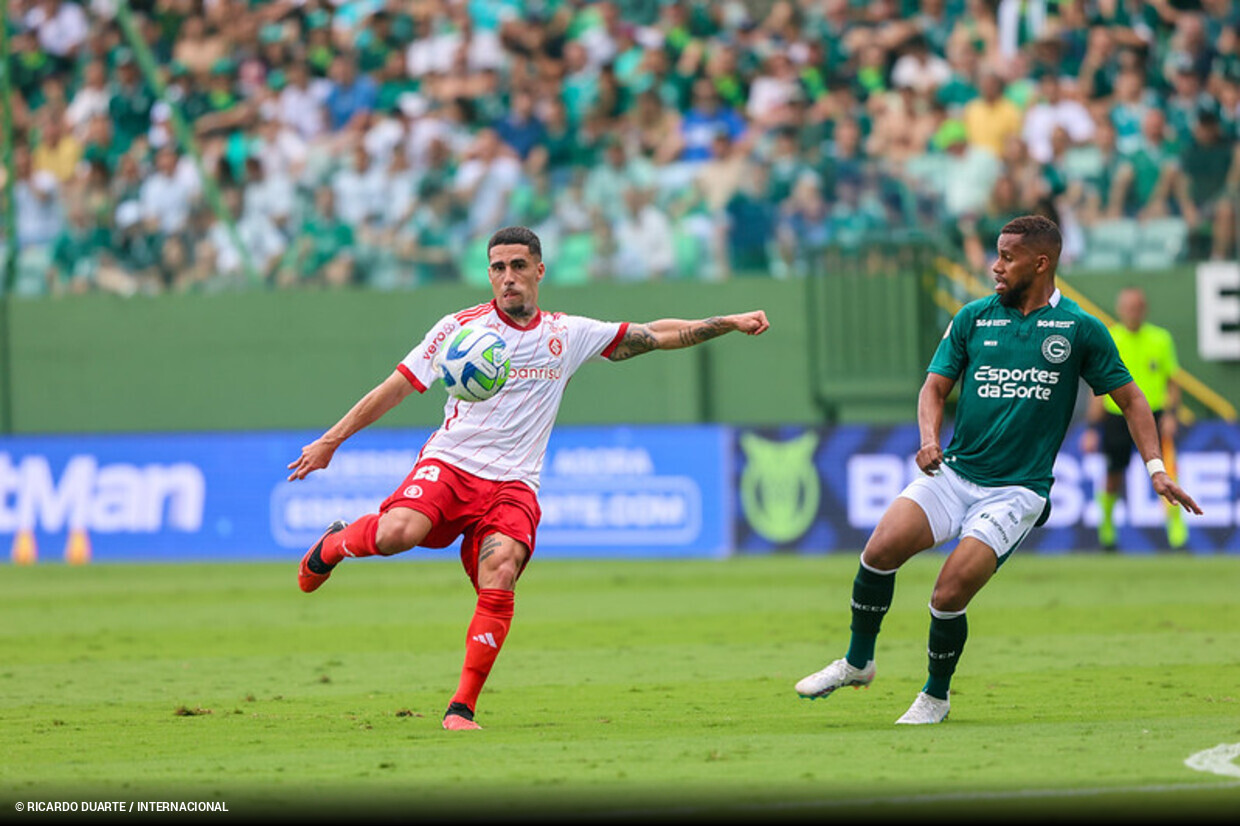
<point x="837" y="675"/>
<point x="925" y="710"/>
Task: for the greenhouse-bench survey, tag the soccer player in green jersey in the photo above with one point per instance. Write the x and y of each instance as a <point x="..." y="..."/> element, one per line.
<point x="1148" y="352"/>
<point x="1018" y="356"/>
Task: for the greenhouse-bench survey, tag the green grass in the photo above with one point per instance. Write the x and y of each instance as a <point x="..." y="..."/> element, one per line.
<point x="637" y="688"/>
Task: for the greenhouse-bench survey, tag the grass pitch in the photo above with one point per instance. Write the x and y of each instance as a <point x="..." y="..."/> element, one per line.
<point x="625" y="690"/>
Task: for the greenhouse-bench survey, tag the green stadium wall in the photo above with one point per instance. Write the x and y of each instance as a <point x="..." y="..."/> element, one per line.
<point x="1172" y="296"/>
<point x="300" y="359"/>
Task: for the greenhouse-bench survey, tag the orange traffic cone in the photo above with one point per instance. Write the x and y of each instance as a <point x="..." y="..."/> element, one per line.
<point x="25" y="551"/>
<point x="77" y="549"/>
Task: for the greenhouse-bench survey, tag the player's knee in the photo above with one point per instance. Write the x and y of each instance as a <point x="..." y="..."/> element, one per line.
<point x="951" y="595"/>
<point x="879" y="557"/>
<point x="948" y="599"/>
<point x="400" y="530"/>
<point x="887" y="550"/>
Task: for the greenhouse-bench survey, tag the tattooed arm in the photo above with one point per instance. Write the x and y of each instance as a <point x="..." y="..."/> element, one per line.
<point x="675" y="333"/>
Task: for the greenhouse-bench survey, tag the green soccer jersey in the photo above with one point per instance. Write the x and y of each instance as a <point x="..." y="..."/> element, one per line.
<point x="1018" y="379"/>
<point x="1149" y="355"/>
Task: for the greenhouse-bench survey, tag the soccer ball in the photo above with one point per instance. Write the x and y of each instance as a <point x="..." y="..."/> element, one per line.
<point x="474" y="365"/>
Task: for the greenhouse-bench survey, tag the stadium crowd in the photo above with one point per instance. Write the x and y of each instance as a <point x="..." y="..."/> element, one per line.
<point x="291" y="143"/>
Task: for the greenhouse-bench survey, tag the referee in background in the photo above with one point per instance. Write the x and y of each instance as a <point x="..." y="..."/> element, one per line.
<point x="1149" y="353"/>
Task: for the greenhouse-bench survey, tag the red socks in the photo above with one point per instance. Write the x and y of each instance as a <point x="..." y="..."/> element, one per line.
<point x="485" y="637"/>
<point x="356" y="540"/>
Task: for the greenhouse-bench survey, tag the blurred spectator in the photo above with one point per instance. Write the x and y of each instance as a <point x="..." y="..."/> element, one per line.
<point x="918" y="68"/>
<point x="271" y="194"/>
<point x="423" y="126"/>
<point x="1207" y="185"/>
<point x="168" y="193"/>
<point x="351" y="95"/>
<point x="62" y="28"/>
<point x="360" y="190"/>
<point x="857" y="216"/>
<point x="1187" y="99"/>
<point x="959" y="175"/>
<point x="37" y="204"/>
<point x="990" y="119"/>
<point x="606" y="183"/>
<point x="1093" y="169"/>
<point x="786" y="163"/>
<point x="90" y="99"/>
<point x="251" y="244"/>
<point x="424" y="242"/>
<point x="1129" y="105"/>
<point x="643" y="238"/>
<point x="133" y="251"/>
<point x="1144" y="180"/>
<point x="750" y="222"/>
<point x="804" y="225"/>
<point x="520" y="129"/>
<point x="75" y="252"/>
<point x="198" y="47"/>
<point x="651" y="128"/>
<point x="706" y="118"/>
<point x="1053" y="110"/>
<point x="484" y="180"/>
<point x="323" y="252"/>
<point x="57" y="150"/>
<point x="774" y="88"/>
<point x="130" y="102"/>
<point x="301" y="101"/>
<point x="980" y="233"/>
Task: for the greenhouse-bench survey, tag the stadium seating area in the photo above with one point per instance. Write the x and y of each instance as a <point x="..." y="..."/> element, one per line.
<point x="207" y="145"/>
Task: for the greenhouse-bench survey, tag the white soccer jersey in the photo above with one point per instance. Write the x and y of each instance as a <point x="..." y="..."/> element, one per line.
<point x="505" y="437"/>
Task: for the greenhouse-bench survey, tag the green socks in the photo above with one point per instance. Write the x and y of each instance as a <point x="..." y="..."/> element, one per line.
<point x="1106" y="525"/>
<point x="1177" y="528"/>
<point x="871" y="597"/>
<point x="948" y="631"/>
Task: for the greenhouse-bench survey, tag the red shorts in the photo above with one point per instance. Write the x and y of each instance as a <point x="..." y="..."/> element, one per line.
<point x="464" y="505"/>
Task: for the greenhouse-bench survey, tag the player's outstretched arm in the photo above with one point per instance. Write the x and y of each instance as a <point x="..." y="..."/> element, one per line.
<point x="1136" y="409"/>
<point x="368" y="410"/>
<point x="675" y="333"/>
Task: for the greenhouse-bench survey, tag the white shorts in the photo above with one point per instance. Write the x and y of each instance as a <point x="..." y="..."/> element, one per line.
<point x="1000" y="517"/>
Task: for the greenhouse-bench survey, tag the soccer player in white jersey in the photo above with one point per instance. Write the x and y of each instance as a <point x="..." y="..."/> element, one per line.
<point x="477" y="476"/>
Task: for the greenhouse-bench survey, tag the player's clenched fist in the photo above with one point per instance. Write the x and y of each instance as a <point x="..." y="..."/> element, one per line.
<point x="751" y="323"/>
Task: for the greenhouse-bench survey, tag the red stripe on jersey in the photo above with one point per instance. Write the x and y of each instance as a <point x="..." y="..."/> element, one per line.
<point x="534" y="322"/>
<point x="407" y="373"/>
<point x="456" y="410"/>
<point x="615" y="342"/>
<point x="472" y="313"/>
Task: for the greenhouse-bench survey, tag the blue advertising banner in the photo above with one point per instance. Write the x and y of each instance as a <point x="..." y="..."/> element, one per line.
<point x="606" y="491"/>
<point x="824" y="489"/>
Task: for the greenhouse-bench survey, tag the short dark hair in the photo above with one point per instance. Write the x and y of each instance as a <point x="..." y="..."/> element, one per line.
<point x="517" y="235"/>
<point x="1038" y="231"/>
